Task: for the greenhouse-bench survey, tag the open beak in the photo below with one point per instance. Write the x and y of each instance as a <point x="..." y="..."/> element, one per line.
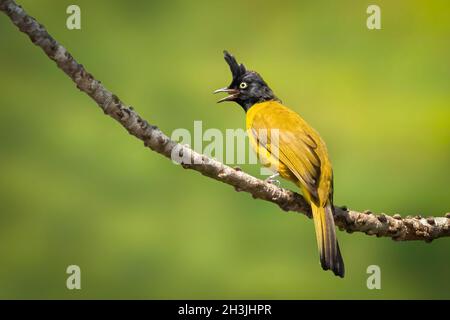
<point x="232" y="94"/>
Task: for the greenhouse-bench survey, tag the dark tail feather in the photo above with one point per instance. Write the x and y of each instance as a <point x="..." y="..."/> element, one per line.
<point x="330" y="254"/>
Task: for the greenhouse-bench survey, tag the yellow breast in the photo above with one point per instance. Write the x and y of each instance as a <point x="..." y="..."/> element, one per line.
<point x="265" y="157"/>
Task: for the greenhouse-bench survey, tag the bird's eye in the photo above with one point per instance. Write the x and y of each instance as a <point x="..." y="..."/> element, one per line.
<point x="243" y="85"/>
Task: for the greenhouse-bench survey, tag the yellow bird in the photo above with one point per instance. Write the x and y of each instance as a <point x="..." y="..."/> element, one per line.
<point x="284" y="141"/>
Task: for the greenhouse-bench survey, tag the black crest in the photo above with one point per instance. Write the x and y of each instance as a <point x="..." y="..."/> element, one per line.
<point x="237" y="70"/>
<point x="247" y="87"/>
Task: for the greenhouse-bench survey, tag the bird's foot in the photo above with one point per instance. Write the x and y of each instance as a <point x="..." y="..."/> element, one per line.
<point x="272" y="180"/>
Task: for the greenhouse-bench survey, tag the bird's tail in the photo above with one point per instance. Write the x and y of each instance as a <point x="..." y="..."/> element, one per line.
<point x="330" y="255"/>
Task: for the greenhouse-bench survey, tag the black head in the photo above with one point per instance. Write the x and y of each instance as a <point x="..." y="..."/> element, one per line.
<point x="247" y="87"/>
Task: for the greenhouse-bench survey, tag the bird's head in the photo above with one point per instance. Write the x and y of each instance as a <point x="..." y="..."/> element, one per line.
<point x="247" y="87"/>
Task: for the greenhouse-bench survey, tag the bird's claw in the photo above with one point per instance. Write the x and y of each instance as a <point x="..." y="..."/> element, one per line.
<point x="271" y="180"/>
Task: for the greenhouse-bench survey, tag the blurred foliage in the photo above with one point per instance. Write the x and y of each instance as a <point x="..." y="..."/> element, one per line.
<point x="76" y="189"/>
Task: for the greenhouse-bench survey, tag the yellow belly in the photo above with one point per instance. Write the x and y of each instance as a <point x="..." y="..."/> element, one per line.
<point x="265" y="157"/>
<point x="269" y="161"/>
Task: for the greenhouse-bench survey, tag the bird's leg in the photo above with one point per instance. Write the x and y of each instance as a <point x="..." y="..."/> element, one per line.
<point x="272" y="179"/>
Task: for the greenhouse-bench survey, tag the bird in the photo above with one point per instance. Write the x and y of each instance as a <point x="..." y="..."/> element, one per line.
<point x="297" y="153"/>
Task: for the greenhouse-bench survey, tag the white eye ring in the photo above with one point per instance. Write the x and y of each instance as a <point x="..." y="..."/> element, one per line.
<point x="243" y="85"/>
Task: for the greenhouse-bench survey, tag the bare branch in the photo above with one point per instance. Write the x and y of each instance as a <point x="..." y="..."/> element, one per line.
<point x="395" y="227"/>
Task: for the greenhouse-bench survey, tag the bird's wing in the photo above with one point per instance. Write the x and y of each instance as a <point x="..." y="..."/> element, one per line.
<point x="300" y="148"/>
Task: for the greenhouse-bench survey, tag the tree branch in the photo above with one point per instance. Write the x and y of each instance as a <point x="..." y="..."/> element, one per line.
<point x="395" y="227"/>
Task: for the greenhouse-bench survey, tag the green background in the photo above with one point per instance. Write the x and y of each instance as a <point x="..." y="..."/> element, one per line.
<point x="76" y="189"/>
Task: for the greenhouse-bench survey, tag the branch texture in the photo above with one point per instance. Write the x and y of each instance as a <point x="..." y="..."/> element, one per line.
<point x="381" y="225"/>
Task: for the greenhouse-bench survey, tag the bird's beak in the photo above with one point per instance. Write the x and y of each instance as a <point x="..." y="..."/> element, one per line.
<point x="232" y="94"/>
